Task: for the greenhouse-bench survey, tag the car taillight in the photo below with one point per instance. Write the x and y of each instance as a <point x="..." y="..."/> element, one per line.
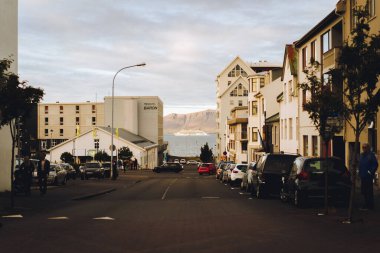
<point x="303" y="175"/>
<point x="235" y="171"/>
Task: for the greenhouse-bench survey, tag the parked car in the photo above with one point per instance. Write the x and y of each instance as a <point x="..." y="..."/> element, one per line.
<point x="219" y="170"/>
<point x="226" y="174"/>
<point x="57" y="175"/>
<point x="247" y="181"/>
<point x="182" y="161"/>
<point x="207" y="168"/>
<point x="192" y="162"/>
<point x="92" y="169"/>
<point x="107" y="169"/>
<point x="168" y="167"/>
<point x="71" y="173"/>
<point x="271" y="169"/>
<point x="307" y="180"/>
<point x="237" y="173"/>
<point x="176" y="160"/>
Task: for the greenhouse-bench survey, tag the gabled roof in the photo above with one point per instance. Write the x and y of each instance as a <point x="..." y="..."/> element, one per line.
<point x="291" y="56"/>
<point x="234" y="84"/>
<point x="234" y="62"/>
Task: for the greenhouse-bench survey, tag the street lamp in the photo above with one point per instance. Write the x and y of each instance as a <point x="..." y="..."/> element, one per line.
<point x="113" y="176"/>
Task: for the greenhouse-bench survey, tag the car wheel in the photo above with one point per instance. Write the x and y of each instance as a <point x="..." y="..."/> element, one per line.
<point x="64" y="180"/>
<point x="241" y="186"/>
<point x="259" y="192"/>
<point x="284" y="198"/>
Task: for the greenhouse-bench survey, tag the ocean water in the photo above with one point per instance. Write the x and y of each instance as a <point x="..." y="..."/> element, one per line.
<point x="190" y="145"/>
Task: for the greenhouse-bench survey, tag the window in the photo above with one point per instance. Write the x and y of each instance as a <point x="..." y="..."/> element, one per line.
<point x="326" y="79"/>
<point x="77" y="109"/>
<point x="254" y="108"/>
<point x="237" y="71"/>
<point x="304" y="101"/>
<point x="46" y="132"/>
<point x="371" y="8"/>
<point x="46" y="121"/>
<point x="93" y="108"/>
<point x="245" y="93"/>
<point x="93" y="121"/>
<point x="234" y="92"/>
<point x="77" y="121"/>
<point x="314" y="143"/>
<point x="304" y="58"/>
<point x="46" y="109"/>
<point x="61" y="132"/>
<point x="262" y="82"/>
<point x="240" y="103"/>
<point x="229" y="83"/>
<point x="53" y="143"/>
<point x="43" y="145"/>
<point x="305" y="145"/>
<point x="353" y="20"/>
<point x="312" y="51"/>
<point x="61" y="121"/>
<point x="254" y="85"/>
<point x="326" y="42"/>
<point x="60" y="109"/>
<point x="254" y="134"/>
<point x="290" y="129"/>
<point x="290" y="88"/>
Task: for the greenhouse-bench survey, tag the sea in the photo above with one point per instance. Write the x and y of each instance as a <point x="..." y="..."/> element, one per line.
<point x="189" y="145"/>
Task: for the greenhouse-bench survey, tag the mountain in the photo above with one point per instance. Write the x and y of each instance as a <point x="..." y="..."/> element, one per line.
<point x="203" y="121"/>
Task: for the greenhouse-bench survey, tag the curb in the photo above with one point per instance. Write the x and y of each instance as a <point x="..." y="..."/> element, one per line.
<point x="88" y="196"/>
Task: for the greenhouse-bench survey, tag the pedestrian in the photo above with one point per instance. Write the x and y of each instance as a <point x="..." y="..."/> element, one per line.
<point x="367" y="169"/>
<point x="135" y="164"/>
<point x="43" y="172"/>
<point x="26" y="169"/>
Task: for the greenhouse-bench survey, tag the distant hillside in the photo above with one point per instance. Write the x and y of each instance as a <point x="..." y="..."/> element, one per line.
<point x="204" y="121"/>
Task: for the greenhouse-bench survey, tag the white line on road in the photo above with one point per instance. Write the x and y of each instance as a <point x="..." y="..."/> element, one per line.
<point x="210" y="197"/>
<point x="103" y="218"/>
<point x="13" y="216"/>
<point x="167" y="189"/>
<point x="59" y="218"/>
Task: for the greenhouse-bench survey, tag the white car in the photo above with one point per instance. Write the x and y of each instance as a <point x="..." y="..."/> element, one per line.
<point x="237" y="173"/>
<point x="192" y="162"/>
<point x="176" y="160"/>
<point x="182" y="161"/>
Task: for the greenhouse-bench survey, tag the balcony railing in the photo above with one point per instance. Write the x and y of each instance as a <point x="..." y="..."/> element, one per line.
<point x="330" y="58"/>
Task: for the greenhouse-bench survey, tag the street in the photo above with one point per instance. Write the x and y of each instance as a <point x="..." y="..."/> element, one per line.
<point x="169" y="212"/>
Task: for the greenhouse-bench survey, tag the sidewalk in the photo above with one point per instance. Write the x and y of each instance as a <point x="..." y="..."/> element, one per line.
<point x="58" y="195"/>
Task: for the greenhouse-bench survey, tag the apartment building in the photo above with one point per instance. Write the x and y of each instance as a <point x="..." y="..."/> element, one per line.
<point x="8" y="47"/>
<point x="263" y="90"/>
<point x="345" y="9"/>
<point x="231" y="91"/>
<point x="237" y="135"/>
<point x="322" y="44"/>
<point x="58" y="122"/>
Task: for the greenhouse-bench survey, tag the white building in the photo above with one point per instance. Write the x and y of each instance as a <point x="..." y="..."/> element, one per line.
<point x="237" y="135"/>
<point x="8" y="47"/>
<point x="231" y="91"/>
<point x="144" y="150"/>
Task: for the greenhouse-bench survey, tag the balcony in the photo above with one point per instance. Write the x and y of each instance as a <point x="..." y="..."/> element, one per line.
<point x="330" y="59"/>
<point x="236" y="121"/>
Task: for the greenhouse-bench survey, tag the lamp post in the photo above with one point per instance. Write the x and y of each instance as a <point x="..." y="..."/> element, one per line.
<point x="112" y="148"/>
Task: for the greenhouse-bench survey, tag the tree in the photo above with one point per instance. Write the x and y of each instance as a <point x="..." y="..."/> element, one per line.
<point x="206" y="155"/>
<point x="125" y="153"/>
<point x="359" y="69"/>
<point x="325" y="107"/>
<point x="67" y="157"/>
<point x="16" y="100"/>
<point x="102" y="156"/>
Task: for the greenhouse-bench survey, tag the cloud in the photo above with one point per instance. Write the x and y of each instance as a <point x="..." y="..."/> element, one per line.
<point x="73" y="48"/>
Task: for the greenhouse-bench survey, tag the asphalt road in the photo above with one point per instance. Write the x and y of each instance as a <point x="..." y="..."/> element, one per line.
<point x="183" y="212"/>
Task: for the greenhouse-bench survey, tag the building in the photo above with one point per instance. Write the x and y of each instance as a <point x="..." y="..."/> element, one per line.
<point x="263" y="90"/>
<point x="58" y="122"/>
<point x="237" y="135"/>
<point x="370" y="133"/>
<point x="8" y="47"/>
<point x="99" y="139"/>
<point x="322" y="44"/>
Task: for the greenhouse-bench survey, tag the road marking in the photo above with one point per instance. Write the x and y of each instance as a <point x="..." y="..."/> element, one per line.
<point x="13" y="216"/>
<point x="103" y="218"/>
<point x="59" y="218"/>
<point x="167" y="189"/>
<point x="210" y="197"/>
<point x="250" y="198"/>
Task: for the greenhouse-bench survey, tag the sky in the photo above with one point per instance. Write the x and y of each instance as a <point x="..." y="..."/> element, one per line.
<point x="73" y="48"/>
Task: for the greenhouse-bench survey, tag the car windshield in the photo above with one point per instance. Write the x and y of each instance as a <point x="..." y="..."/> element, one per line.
<point x="106" y="165"/>
<point x="242" y="167"/>
<point x="92" y="165"/>
<point x="333" y="165"/>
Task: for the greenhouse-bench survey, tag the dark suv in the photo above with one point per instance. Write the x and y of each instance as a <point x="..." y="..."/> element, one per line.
<point x="307" y="180"/>
<point x="271" y="168"/>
